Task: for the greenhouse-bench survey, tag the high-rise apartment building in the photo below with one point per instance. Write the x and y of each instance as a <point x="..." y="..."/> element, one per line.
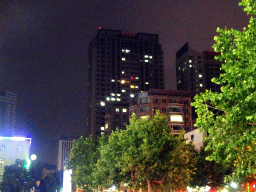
<point x="8" y="104"/>
<point x="120" y="66"/>
<point x="194" y="70"/>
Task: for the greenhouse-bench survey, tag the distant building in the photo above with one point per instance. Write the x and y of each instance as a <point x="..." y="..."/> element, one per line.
<point x="196" y="137"/>
<point x="12" y="148"/>
<point x="174" y="104"/>
<point x="194" y="70"/>
<point x="120" y="65"/>
<point x="63" y="153"/>
<point x="8" y="104"/>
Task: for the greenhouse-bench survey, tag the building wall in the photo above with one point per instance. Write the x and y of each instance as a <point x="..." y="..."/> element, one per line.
<point x="12" y="148"/>
<point x="120" y="65"/>
<point x="196" y="137"/>
<point x="8" y="104"/>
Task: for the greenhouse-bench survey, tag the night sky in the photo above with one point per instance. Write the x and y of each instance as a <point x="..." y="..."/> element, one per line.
<point x="44" y="45"/>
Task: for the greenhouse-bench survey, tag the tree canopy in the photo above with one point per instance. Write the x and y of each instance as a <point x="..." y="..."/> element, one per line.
<point x="230" y="115"/>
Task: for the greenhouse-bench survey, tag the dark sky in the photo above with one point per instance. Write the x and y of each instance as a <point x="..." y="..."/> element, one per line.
<point x="43" y="51"/>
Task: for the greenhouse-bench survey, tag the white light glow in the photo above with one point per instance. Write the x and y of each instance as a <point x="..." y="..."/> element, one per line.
<point x="146" y="60"/>
<point x="118" y="94"/>
<point x="146" y="83"/>
<point x="113" y="99"/>
<point x="112" y="80"/>
<point x="113" y="94"/>
<point x="33" y="157"/>
<point x="190" y="65"/>
<point x="136" y="77"/>
<point x="190" y="61"/>
<point x="67" y="187"/>
<point x="201" y="85"/>
<point x="122" y="72"/>
<point x="127" y="51"/>
<point x="122" y="81"/>
<point x="234" y="185"/>
<point x="118" y="99"/>
<point x="136" y="86"/>
<point x="102" y="128"/>
<point x="200" y="75"/>
<point x="117" y="109"/>
<point x="132" y="86"/>
<point x="124" y="110"/>
<point x="150" y="57"/>
<point x="14" y="138"/>
<point x="102" y="103"/>
<point x="123" y="59"/>
<point x="176" y="118"/>
<point x="131" y="95"/>
<point x="146" y="56"/>
<point x="123" y="90"/>
<point x="108" y="98"/>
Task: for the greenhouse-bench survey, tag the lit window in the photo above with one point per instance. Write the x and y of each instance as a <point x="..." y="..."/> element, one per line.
<point x="190" y="61"/>
<point x="178" y="68"/>
<point x="118" y="99"/>
<point x="124" y="110"/>
<point x="123" y="81"/>
<point x="144" y="117"/>
<point x="113" y="94"/>
<point x="106" y="126"/>
<point x="2" y="162"/>
<point x="123" y="50"/>
<point x="200" y="75"/>
<point x="18" y="148"/>
<point x="146" y="60"/>
<point x="102" y="103"/>
<point x="136" y="86"/>
<point x="122" y="72"/>
<point x="132" y="95"/>
<point x="113" y="99"/>
<point x="127" y="51"/>
<point x="108" y="98"/>
<point x="146" y="56"/>
<point x="146" y="83"/>
<point x="190" y="65"/>
<point x="123" y="59"/>
<point x="150" y="57"/>
<point x="132" y="86"/>
<point x="117" y="109"/>
<point x="113" y="80"/>
<point x="102" y="128"/>
<point x="136" y="77"/>
<point x="201" y="85"/>
<point x="176" y="118"/>
<point x="118" y="94"/>
<point x="123" y="91"/>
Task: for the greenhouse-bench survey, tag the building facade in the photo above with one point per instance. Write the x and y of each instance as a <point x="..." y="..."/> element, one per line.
<point x="120" y="66"/>
<point x="194" y="70"/>
<point x="174" y="104"/>
<point x="63" y="153"/>
<point x="12" y="148"/>
<point x="196" y="137"/>
<point x="8" y="104"/>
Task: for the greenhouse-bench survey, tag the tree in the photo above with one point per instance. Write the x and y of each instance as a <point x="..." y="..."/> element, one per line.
<point x="230" y="116"/>
<point x="53" y="181"/>
<point x="153" y="156"/>
<point x="82" y="160"/>
<point x="17" y="178"/>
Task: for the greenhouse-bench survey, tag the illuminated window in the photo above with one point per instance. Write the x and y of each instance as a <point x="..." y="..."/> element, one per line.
<point x="201" y="85"/>
<point x="150" y="57"/>
<point x="124" y="110"/>
<point x="123" y="59"/>
<point x="112" y="80"/>
<point x="136" y="86"/>
<point x="132" y="86"/>
<point x="190" y="65"/>
<point x="132" y="95"/>
<point x="146" y="60"/>
<point x="102" y="103"/>
<point x="122" y="72"/>
<point x="146" y="56"/>
<point x="102" y="128"/>
<point x="108" y="98"/>
<point x="176" y="118"/>
<point x="117" y="109"/>
<point x="2" y="148"/>
<point x="146" y="83"/>
<point x="122" y="81"/>
<point x="136" y="77"/>
<point x="118" y="94"/>
<point x="113" y="94"/>
<point x="113" y="99"/>
<point x="127" y="51"/>
<point x="118" y="99"/>
<point x="123" y="91"/>
<point x="123" y="50"/>
<point x="106" y="126"/>
<point x="190" y="61"/>
<point x="18" y="148"/>
<point x="200" y="75"/>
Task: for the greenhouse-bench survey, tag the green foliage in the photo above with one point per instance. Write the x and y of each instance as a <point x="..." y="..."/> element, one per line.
<point x="82" y="160"/>
<point x="54" y="181"/>
<point x="230" y="116"/>
<point x="17" y="178"/>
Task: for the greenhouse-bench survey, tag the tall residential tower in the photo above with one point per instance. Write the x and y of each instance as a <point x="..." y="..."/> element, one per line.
<point x="120" y="66"/>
